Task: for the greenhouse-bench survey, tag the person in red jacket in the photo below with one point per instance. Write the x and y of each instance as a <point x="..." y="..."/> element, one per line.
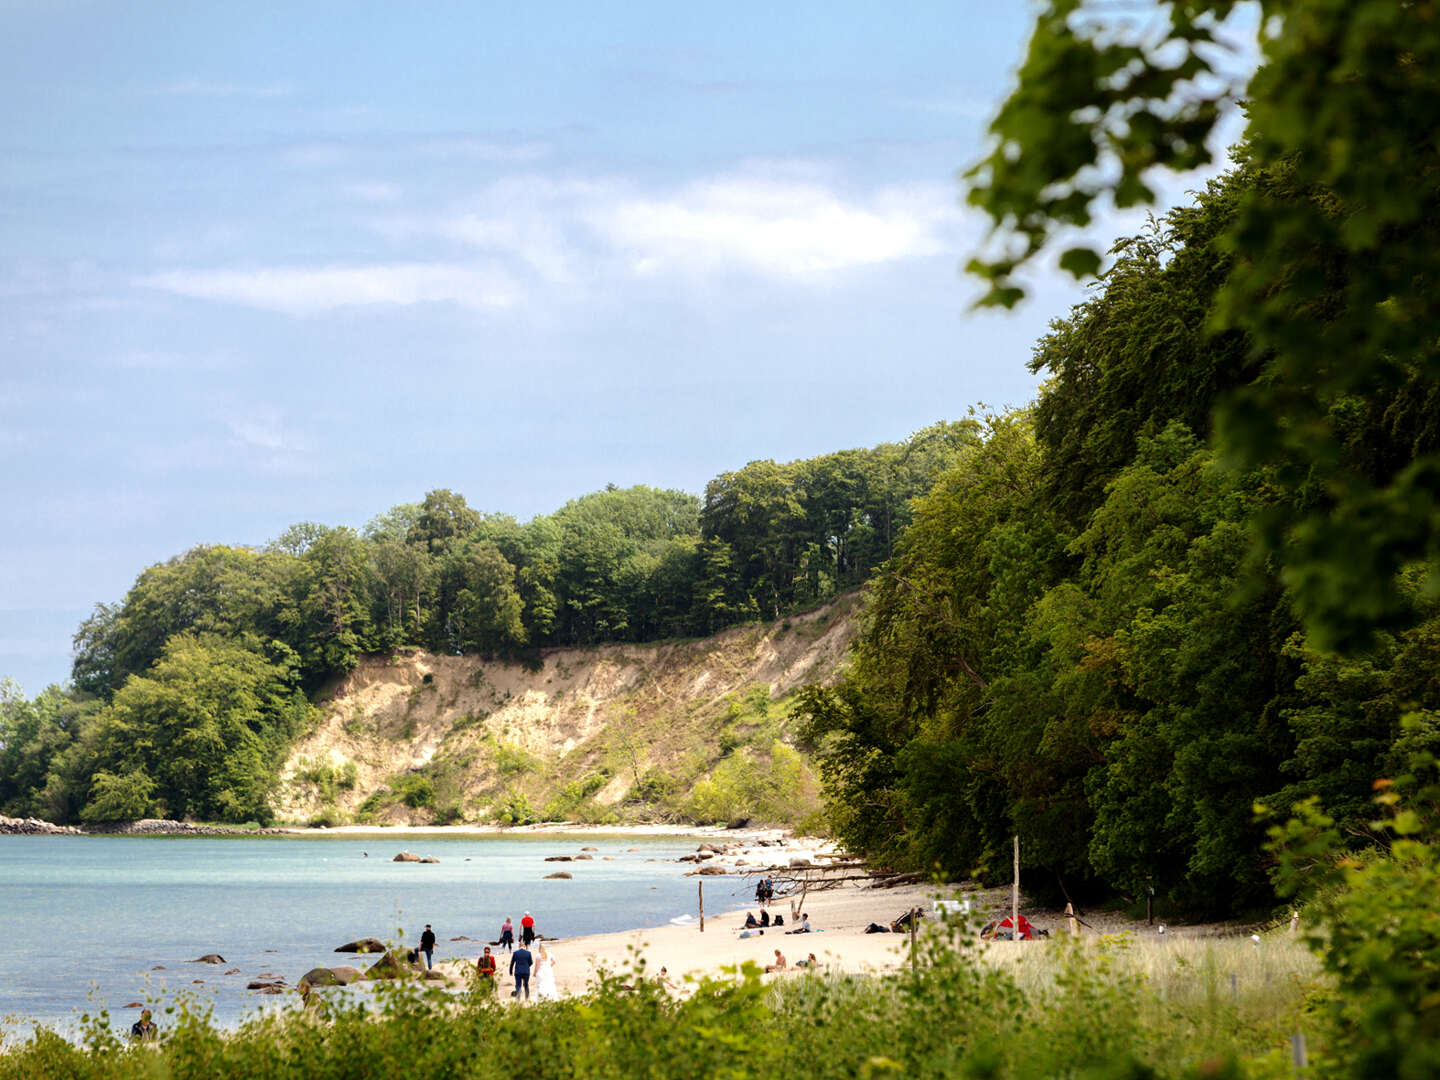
<point x="487" y="969"/>
<point x="527" y="930"/>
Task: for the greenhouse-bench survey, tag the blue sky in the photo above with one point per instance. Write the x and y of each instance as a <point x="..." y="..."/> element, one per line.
<point x="270" y="262"/>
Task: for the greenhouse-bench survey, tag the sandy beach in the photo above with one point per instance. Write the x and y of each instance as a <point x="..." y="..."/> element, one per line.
<point x="838" y="918"/>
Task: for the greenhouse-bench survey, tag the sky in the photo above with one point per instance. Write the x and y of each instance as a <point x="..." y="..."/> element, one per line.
<point x="265" y="263"/>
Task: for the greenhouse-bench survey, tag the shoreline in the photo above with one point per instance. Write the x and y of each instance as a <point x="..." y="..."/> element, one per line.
<point x="838" y="913"/>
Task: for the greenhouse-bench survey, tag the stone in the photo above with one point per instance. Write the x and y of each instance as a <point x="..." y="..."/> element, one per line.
<point x="583" y="858"/>
<point x="264" y="984"/>
<point x="589" y="849"/>
<point x="345" y="974"/>
<point x="798" y="861"/>
<point x="363" y="945"/>
<point x="706" y="871"/>
<point x="406" y="856"/>
<point x="397" y="964"/>
<point x="208" y="958"/>
<point x="559" y="858"/>
<point x="320" y="976"/>
<point x="429" y="859"/>
<point x="563" y="874"/>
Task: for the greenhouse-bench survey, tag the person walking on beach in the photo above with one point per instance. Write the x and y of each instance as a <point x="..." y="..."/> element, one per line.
<point x="144" y="1030"/>
<point x="545" y="976"/>
<point x="507" y="935"/>
<point x="427" y="946"/>
<point x="520" y="964"/>
<point x="487" y="969"/>
<point x="527" y="930"/>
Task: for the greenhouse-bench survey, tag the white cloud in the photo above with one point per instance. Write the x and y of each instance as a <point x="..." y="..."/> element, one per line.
<point x="525" y="235"/>
<point x="778" y="228"/>
<point x="302" y="291"/>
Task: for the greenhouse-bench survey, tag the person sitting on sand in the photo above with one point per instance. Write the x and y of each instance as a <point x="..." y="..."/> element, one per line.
<point x="664" y="979"/>
<point x="804" y="927"/>
<point x="750" y="921"/>
<point x="765" y="918"/>
<point x="808" y="962"/>
<point x="778" y="965"/>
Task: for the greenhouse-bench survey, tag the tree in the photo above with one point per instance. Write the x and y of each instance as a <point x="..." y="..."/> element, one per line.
<point x="1335" y="251"/>
<point x="443" y="516"/>
<point x="207" y="724"/>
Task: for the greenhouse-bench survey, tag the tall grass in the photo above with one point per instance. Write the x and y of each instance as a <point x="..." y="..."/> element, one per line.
<point x="1096" y="1009"/>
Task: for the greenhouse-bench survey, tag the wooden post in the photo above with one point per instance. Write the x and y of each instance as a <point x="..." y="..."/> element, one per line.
<point x="1015" y="895"/>
<point x="1297" y="1052"/>
<point x="1070" y="918"/>
<point x="914" y="921"/>
<point x="701" y="886"/>
<point x="1294" y="921"/>
<point x="1150" y="905"/>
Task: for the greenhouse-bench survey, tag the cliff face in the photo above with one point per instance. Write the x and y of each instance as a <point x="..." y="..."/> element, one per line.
<point x="613" y="732"/>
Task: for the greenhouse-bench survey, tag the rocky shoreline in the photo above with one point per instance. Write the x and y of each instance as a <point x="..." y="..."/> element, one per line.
<point x="144" y="827"/>
<point x="14" y="826"/>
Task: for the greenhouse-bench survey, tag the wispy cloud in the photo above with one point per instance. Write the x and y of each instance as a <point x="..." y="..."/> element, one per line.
<point x="525" y="235"/>
<point x="309" y="291"/>
<point x="781" y="229"/>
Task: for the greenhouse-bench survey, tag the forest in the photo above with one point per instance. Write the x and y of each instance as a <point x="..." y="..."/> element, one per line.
<point x="187" y="693"/>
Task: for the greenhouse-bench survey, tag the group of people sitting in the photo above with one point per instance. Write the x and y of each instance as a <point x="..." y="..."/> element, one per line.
<point x="751" y="922"/>
<point x="780" y="963"/>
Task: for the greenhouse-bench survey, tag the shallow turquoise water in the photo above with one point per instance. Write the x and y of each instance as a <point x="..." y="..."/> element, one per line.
<point x="80" y="910"/>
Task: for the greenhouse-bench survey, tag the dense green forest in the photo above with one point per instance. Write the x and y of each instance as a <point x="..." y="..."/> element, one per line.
<point x="186" y="694"/>
<point x="1082" y="639"/>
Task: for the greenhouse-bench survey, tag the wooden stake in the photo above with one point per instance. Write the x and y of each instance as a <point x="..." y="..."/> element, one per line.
<point x="1070" y="918"/>
<point x="701" y="886"/>
<point x="1294" y="921"/>
<point x="1297" y="1051"/>
<point x="1015" y="895"/>
<point x="914" y="921"/>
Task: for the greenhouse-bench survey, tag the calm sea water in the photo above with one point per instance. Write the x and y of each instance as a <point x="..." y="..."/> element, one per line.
<point x="84" y="920"/>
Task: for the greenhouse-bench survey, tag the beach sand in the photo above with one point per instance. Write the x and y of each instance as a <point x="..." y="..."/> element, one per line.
<point x="838" y="917"/>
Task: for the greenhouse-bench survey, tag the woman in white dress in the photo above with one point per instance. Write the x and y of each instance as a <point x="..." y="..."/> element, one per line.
<point x="545" y="977"/>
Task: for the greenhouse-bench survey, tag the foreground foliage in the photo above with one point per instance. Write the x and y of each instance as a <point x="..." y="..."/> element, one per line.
<point x="1091" y="1009"/>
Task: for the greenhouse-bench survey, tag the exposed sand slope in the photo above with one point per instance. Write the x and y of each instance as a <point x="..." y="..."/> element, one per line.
<point x="484" y="732"/>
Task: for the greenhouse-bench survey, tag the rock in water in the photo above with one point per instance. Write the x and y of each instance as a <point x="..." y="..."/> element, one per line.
<point x="563" y="874"/>
<point x="406" y="856"/>
<point x="345" y="974"/>
<point x="397" y="964"/>
<point x="364" y="945"/>
<point x="208" y="958"/>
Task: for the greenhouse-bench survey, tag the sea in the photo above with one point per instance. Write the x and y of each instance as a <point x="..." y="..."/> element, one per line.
<point x="91" y="923"/>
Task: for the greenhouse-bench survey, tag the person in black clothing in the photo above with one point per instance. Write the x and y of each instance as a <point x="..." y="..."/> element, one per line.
<point x="427" y="946"/>
<point x="143" y="1030"/>
<point x="520" y="964"/>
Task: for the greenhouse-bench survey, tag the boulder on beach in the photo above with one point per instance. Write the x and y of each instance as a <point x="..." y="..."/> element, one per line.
<point x="320" y="976"/>
<point x="397" y="964"/>
<point x="430" y="858"/>
<point x="799" y="862"/>
<point x="706" y="871"/>
<point x="208" y="958"/>
<point x="406" y="856"/>
<point x="559" y="858"/>
<point x="563" y="874"/>
<point x="364" y="945"/>
<point x="345" y="974"/>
